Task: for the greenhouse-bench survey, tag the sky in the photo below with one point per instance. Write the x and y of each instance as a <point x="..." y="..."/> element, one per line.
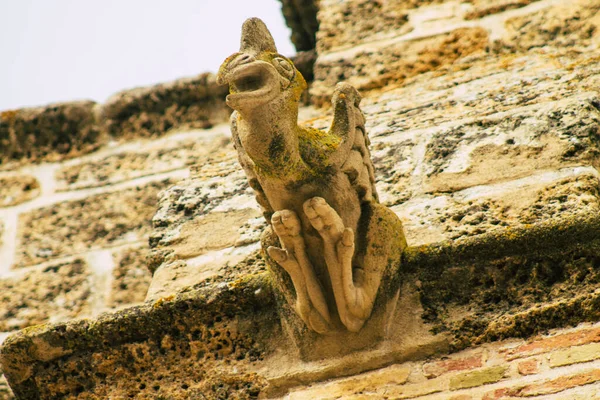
<point x="63" y="50"/>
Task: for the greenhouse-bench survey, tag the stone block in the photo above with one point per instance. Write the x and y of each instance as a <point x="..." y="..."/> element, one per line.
<point x="48" y="133"/>
<point x="514" y="145"/>
<point x="156" y="157"/>
<point x="196" y="102"/>
<point x="572" y="24"/>
<point x="559" y="384"/>
<point x="218" y="185"/>
<point x="97" y="221"/>
<point x="483" y="8"/>
<point x="131" y="277"/>
<point x="574" y="355"/>
<point x="53" y="293"/>
<point x="546" y="344"/>
<point x="17" y="189"/>
<point x="391" y="64"/>
<point x="487" y="208"/>
<point x="478" y="377"/>
<point x="477" y="86"/>
<point x="528" y="367"/>
<point x="348" y="23"/>
<point x="454" y="364"/>
<point x="370" y="383"/>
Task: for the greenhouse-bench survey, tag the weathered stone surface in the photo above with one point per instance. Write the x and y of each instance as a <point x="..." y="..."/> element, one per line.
<point x="575" y="355"/>
<point x="16" y="189"/>
<point x="301" y="17"/>
<point x="556" y="342"/>
<point x="5" y="392"/>
<point x="375" y="383"/>
<point x="483" y="8"/>
<point x="136" y="352"/>
<point x="574" y="24"/>
<point x="217" y="185"/>
<point x="376" y="67"/>
<point x="478" y="377"/>
<point x="344" y="24"/>
<point x="196" y="102"/>
<point x="131" y="277"/>
<point x="54" y="293"/>
<point x="156" y="157"/>
<point x="49" y="133"/>
<point x="60" y="230"/>
<point x="437" y="368"/>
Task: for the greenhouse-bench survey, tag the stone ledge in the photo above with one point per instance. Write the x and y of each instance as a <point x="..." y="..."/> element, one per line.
<point x="27" y="357"/>
<point x="48" y="133"/>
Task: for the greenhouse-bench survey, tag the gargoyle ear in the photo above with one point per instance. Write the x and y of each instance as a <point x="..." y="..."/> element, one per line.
<point x="256" y="38"/>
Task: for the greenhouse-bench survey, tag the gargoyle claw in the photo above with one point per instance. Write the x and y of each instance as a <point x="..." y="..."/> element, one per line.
<point x="324" y="219"/>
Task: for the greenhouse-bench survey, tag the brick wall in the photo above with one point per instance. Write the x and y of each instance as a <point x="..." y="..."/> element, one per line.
<point x="563" y="364"/>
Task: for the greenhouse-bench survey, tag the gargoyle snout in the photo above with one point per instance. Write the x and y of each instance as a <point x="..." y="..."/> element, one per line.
<point x="230" y="64"/>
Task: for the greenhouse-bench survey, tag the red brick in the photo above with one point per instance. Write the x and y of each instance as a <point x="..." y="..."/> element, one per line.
<point x="545" y="388"/>
<point x="559" y="384"/>
<point x="554" y="342"/>
<point x="496" y="394"/>
<point x="437" y="368"/>
<point x="528" y="367"/>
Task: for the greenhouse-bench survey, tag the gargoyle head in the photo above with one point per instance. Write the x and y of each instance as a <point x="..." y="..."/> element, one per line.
<point x="257" y="74"/>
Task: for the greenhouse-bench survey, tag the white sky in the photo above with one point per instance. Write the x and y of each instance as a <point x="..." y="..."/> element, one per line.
<point x="62" y="50"/>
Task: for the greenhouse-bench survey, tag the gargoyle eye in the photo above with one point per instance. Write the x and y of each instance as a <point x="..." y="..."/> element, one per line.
<point x="284" y="67"/>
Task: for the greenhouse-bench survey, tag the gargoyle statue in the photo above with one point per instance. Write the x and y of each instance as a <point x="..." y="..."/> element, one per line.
<point x="317" y="189"/>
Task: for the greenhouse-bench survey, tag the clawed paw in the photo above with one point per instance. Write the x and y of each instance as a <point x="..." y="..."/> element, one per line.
<point x="324" y="219"/>
<point x="287" y="227"/>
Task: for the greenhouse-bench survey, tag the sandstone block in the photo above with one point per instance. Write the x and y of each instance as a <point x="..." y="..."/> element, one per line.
<point x="346" y="24"/>
<point x="513" y="145"/>
<point x="96" y="221"/>
<point x="369" y="384"/>
<point x="487" y="208"/>
<point x="394" y="62"/>
<point x="573" y="24"/>
<point x="155" y="157"/>
<point x="437" y="368"/>
<point x="49" y="133"/>
<point x="17" y="189"/>
<point x="54" y="293"/>
<point x="478" y="378"/>
<point x="196" y="102"/>
<point x="560" y="384"/>
<point x="544" y="345"/>
<point x="528" y="367"/>
<point x="574" y="355"/>
<point x="131" y="277"/>
<point x="217" y="185"/>
<point x="483" y="8"/>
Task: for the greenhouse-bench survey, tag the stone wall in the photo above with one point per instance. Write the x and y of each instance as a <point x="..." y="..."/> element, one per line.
<point x="79" y="185"/>
<point x="484" y="119"/>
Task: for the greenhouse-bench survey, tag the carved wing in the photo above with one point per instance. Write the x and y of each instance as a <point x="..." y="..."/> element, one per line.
<point x="248" y="166"/>
<point x="353" y="156"/>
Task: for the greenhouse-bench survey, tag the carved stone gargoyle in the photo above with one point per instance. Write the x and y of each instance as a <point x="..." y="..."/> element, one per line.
<point x="317" y="189"/>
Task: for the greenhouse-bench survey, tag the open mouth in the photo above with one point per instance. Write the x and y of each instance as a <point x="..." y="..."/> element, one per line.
<point x="249" y="78"/>
<point x="255" y="83"/>
<point x="248" y="83"/>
